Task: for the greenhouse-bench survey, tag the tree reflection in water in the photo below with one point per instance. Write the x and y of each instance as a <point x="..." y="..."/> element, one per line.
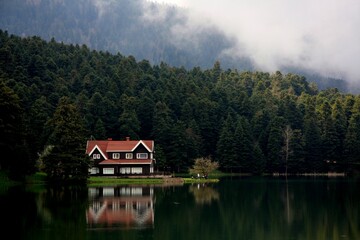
<point x="203" y="193"/>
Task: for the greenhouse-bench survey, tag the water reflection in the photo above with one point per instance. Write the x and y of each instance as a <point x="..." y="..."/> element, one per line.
<point x="121" y="207"/>
<point x="245" y="208"/>
<point x="203" y="193"/>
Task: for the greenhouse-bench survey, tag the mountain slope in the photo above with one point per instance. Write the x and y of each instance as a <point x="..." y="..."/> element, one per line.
<point x="145" y="30"/>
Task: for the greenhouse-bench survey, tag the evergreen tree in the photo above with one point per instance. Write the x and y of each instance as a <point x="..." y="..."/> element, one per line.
<point x="176" y="154"/>
<point x="259" y="123"/>
<point x="340" y="125"/>
<point x="194" y="141"/>
<point x="274" y="146"/>
<point x="181" y="110"/>
<point x="39" y="114"/>
<point x="128" y="120"/>
<point x="348" y="106"/>
<point x="226" y="146"/>
<point x="161" y="129"/>
<point x="296" y="156"/>
<point x="312" y="139"/>
<point x="352" y="142"/>
<point x="243" y="144"/>
<point x="328" y="133"/>
<point x="67" y="160"/>
<point x="287" y="136"/>
<point x="12" y="138"/>
<point x="146" y="116"/>
<point x="259" y="162"/>
<point x="129" y="124"/>
<point x="99" y="130"/>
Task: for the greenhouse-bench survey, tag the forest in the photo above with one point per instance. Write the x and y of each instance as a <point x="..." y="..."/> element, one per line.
<point x="247" y="121"/>
<point x="141" y="28"/>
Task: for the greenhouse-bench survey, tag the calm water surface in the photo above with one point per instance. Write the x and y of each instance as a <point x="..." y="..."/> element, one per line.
<point x="238" y="208"/>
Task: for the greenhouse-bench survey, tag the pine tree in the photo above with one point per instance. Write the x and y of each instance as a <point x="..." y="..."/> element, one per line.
<point x="225" y="151"/>
<point x="340" y="125"/>
<point x="243" y="144"/>
<point x="259" y="162"/>
<point x="12" y="138"/>
<point x="274" y="146"/>
<point x="99" y="130"/>
<point x="328" y="133"/>
<point x="296" y="156"/>
<point x="352" y="141"/>
<point x="312" y="138"/>
<point x="129" y="124"/>
<point x="67" y="160"/>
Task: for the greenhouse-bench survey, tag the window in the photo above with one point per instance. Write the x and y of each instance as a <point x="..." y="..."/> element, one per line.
<point x="125" y="170"/>
<point x="136" y="170"/>
<point x="94" y="170"/>
<point x="142" y="156"/>
<point x="129" y="156"/>
<point x="151" y="169"/>
<point x="96" y="156"/>
<point x="116" y="155"/>
<point x="108" y="171"/>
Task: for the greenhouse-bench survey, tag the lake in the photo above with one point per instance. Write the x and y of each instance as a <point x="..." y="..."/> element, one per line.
<point x="235" y="208"/>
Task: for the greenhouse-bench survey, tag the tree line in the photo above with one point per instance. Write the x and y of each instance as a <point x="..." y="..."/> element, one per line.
<point x="122" y="26"/>
<point x="247" y="121"/>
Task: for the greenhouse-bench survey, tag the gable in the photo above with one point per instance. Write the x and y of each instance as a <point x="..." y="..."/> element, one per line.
<point x="140" y="148"/>
<point x="142" y="144"/>
<point x="100" y="146"/>
<point x="107" y="146"/>
<point x="96" y="148"/>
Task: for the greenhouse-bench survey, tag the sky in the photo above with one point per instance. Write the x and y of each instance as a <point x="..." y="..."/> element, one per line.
<point x="321" y="35"/>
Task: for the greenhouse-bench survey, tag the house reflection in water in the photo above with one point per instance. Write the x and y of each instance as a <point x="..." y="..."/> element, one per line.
<point x="121" y="207"/>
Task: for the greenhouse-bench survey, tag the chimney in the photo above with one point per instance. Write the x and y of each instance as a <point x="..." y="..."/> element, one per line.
<point x="109" y="139"/>
<point x="127" y="138"/>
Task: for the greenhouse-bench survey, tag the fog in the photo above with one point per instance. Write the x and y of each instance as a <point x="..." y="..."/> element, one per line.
<point x="321" y="35"/>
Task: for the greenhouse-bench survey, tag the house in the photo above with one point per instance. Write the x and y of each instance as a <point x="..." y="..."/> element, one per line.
<point x="121" y="158"/>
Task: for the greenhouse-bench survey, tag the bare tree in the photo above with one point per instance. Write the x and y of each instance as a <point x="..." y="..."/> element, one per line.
<point x="287" y="135"/>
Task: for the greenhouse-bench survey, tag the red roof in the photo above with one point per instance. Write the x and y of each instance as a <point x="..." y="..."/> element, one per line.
<point x="108" y="217"/>
<point x="128" y="146"/>
<point x="105" y="146"/>
<point x="126" y="161"/>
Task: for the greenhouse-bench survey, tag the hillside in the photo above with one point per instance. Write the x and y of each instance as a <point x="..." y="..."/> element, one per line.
<point x="237" y="118"/>
<point x="154" y="32"/>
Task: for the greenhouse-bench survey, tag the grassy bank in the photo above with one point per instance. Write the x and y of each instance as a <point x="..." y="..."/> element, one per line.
<point x="39" y="179"/>
<point x="101" y="181"/>
<point x="201" y="180"/>
<point x="214" y="175"/>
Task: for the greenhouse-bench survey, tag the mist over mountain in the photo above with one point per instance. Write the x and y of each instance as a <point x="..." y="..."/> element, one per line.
<point x="143" y="29"/>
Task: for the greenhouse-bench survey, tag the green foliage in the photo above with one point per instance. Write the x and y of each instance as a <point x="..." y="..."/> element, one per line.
<point x="60" y="95"/>
<point x="203" y="167"/>
<point x="275" y="143"/>
<point x="12" y="135"/>
<point x="226" y="146"/>
<point x="66" y="160"/>
<point x="93" y="22"/>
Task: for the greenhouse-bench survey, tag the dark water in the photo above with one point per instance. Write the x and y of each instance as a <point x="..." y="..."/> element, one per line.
<point x="241" y="208"/>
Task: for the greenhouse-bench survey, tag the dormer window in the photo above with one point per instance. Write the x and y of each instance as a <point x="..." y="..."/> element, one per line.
<point x="116" y="155"/>
<point x="141" y="155"/>
<point x="96" y="156"/>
